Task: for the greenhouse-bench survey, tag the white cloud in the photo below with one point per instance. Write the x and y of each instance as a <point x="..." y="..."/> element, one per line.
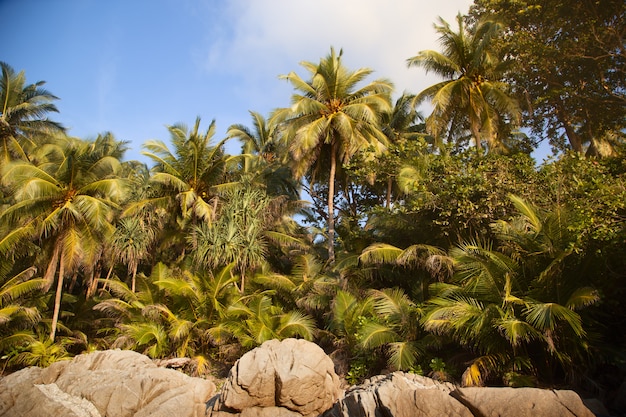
<point x="269" y="38"/>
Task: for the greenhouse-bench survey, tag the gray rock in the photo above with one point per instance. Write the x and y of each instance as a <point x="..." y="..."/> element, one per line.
<point x="399" y="394"/>
<point x="406" y="395"/>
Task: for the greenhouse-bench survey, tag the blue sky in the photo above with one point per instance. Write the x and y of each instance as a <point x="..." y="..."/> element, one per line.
<point x="132" y="67"/>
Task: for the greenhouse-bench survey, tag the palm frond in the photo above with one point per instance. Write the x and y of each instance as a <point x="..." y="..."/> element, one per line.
<point x="294" y="324"/>
<point x="373" y="335"/>
<point x="379" y="253"/>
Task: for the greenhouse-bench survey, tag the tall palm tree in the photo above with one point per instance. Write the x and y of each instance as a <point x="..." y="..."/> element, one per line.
<point x="189" y="172"/>
<point x="264" y="157"/>
<point x="260" y="140"/>
<point x="471" y="96"/>
<point x="23" y="112"/>
<point x="67" y="203"/>
<point x="403" y="123"/>
<point x="330" y="120"/>
<point x="182" y="188"/>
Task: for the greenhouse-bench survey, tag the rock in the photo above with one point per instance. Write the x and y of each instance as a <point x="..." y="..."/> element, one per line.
<point x="109" y="383"/>
<point x="280" y="378"/>
<point x="405" y="395"/>
<point x="399" y="394"/>
<point x="522" y="402"/>
<point x="292" y="378"/>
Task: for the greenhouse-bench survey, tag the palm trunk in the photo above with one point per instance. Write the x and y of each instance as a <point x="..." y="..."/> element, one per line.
<point x="476" y="133"/>
<point x="52" y="269"/>
<point x="133" y="283"/>
<point x="57" y="297"/>
<point x="331" y="204"/>
<point x="389" y="187"/>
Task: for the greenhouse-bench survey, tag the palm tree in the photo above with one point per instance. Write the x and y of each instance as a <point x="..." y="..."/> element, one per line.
<point x="400" y="125"/>
<point x="330" y="121"/>
<point x="189" y="173"/>
<point x="516" y="306"/>
<point x="472" y="96"/>
<point x="258" y="141"/>
<point x="12" y="290"/>
<point x="395" y="326"/>
<point x="256" y="319"/>
<point x="426" y="257"/>
<point x="264" y="157"/>
<point x="131" y="243"/>
<point x="23" y="113"/>
<point x="67" y="203"/>
<point x="242" y="233"/>
<point x="182" y="189"/>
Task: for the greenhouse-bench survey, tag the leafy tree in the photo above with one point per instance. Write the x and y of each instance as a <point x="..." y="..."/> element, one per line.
<point x="263" y="157"/>
<point x="569" y="62"/>
<point x="472" y="96"/>
<point x="67" y="204"/>
<point x="331" y="119"/>
<point x="454" y="197"/>
<point x="23" y="115"/>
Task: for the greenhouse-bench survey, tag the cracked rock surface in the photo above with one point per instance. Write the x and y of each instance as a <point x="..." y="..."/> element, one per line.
<point x="290" y="377"/>
<point x="115" y="383"/>
<point x="406" y="395"/>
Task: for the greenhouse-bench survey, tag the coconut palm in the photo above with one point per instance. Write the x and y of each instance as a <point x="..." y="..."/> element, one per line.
<point x="330" y="120"/>
<point x="263" y="157"/>
<point x="403" y="123"/>
<point x="260" y="140"/>
<point x="66" y="203"/>
<point x="308" y="286"/>
<point x="23" y="113"/>
<point x="12" y="291"/>
<point x="415" y="257"/>
<point x="472" y="96"/>
<point x="188" y="173"/>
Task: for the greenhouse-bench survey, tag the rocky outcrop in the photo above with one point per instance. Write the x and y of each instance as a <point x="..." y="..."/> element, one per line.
<point x="112" y="383"/>
<point x="289" y="378"/>
<point x="406" y="395"/>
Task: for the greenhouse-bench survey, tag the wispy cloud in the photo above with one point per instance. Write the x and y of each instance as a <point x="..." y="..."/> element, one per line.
<point x="271" y="37"/>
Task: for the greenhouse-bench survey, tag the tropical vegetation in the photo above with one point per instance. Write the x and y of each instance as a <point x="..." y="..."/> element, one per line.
<point x="429" y="243"/>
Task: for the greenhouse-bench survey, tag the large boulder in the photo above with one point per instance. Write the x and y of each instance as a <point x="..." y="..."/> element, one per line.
<point x="406" y="395"/>
<point x="522" y="402"/>
<point x="108" y="383"/>
<point x="399" y="394"/>
<point x="286" y="378"/>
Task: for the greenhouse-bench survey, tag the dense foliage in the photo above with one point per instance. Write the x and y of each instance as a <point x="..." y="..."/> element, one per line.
<point x="434" y="245"/>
